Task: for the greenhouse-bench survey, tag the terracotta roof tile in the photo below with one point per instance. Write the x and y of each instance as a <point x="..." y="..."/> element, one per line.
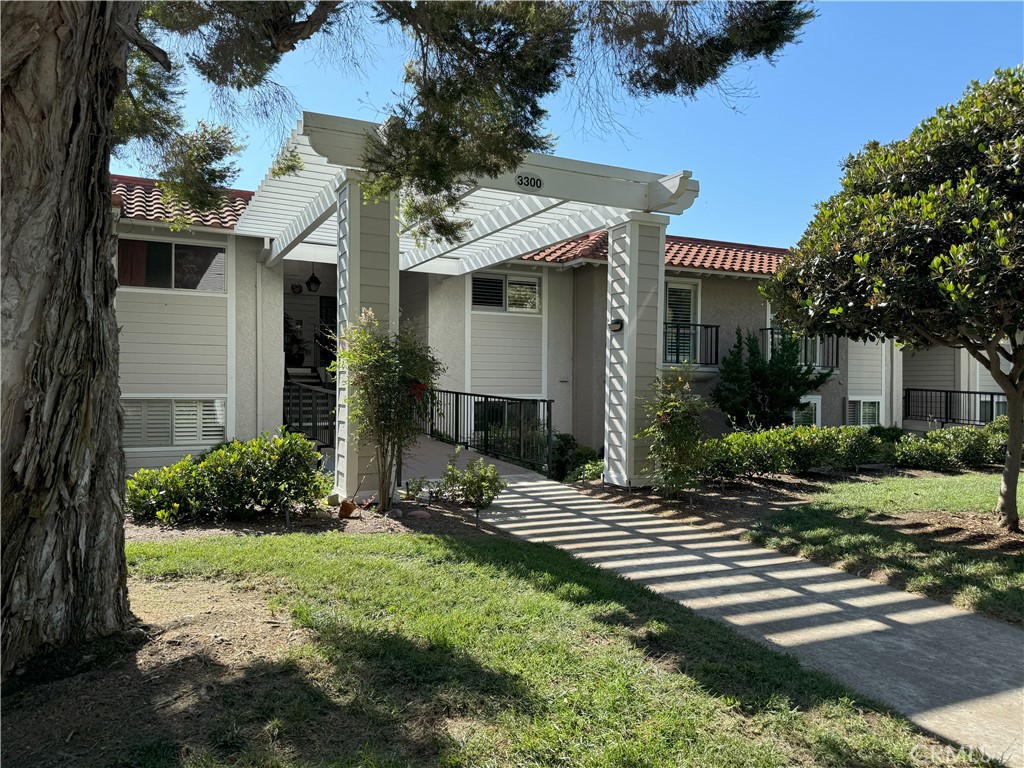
<point x="140" y="199"/>
<point x="681" y="252"/>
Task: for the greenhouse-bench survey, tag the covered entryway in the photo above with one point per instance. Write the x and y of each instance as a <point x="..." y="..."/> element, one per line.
<point x="545" y="201"/>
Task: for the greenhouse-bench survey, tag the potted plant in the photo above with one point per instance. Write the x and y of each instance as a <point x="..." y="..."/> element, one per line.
<point x="295" y="347"/>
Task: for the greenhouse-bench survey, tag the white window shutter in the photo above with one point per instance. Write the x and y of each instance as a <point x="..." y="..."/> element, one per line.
<point x="158" y="423"/>
<point x="134" y="423"/>
<point x="186" y="421"/>
<point x="853" y="412"/>
<point x="679" y="304"/>
<point x="869" y="413"/>
<point x="214" y="421"/>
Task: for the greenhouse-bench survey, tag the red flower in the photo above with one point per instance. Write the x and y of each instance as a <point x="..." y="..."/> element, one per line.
<point x="417" y="390"/>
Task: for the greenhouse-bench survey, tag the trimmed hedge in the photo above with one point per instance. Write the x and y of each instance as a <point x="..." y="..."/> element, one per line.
<point x="789" y="450"/>
<point x="233" y="481"/>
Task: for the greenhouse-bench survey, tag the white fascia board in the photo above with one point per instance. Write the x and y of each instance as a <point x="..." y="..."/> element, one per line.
<point x="309" y="219"/>
<point x="508" y="215"/>
<point x="441" y="266"/>
<point x="572" y="226"/>
<point x="313" y="252"/>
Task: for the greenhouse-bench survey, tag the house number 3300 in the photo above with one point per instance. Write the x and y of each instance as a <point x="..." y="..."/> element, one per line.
<point x="529" y="182"/>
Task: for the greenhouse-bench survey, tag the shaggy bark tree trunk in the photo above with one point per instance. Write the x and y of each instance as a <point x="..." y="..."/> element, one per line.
<point x="63" y="564"/>
<point x="1006" y="507"/>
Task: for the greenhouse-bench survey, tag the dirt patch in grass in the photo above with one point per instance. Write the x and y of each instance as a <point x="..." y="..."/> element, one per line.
<point x="438" y="519"/>
<point x="154" y="704"/>
<point x="977" y="533"/>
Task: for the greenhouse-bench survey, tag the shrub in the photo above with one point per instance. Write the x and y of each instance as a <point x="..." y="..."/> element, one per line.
<point x="230" y="482"/>
<point x="675" y="426"/>
<point x="998" y="434"/>
<point x="592" y="470"/>
<point x="968" y="445"/>
<point x="918" y="453"/>
<point x="567" y="456"/>
<point x="476" y="486"/>
<point x="886" y="434"/>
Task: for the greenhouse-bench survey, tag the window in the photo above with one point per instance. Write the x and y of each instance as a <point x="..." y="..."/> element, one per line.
<point x="510" y="293"/>
<point x="159" y="423"/>
<point x="864" y="413"/>
<point x="183" y="266"/>
<point x="808" y="414"/>
<point x="991" y="408"/>
<point x="681" y="335"/>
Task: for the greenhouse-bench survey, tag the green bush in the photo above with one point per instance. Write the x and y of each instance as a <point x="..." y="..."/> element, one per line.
<point x="476" y="486"/>
<point x="998" y="434"/>
<point x="592" y="470"/>
<point x="968" y="445"/>
<point x="567" y="456"/>
<point x="887" y="434"/>
<point x="917" y="453"/>
<point x="675" y="427"/>
<point x="789" y="449"/>
<point x="232" y="481"/>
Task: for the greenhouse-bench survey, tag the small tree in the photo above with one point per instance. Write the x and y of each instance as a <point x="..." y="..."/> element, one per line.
<point x="757" y="391"/>
<point x="391" y="378"/>
<point x="923" y="245"/>
<point x="675" y="427"/>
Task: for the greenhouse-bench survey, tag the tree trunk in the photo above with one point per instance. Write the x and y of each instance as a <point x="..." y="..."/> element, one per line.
<point x="63" y="565"/>
<point x="1006" y="508"/>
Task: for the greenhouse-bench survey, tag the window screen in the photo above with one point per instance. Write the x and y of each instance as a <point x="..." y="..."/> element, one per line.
<point x="806" y="415"/>
<point x="144" y="264"/>
<point x="679" y="304"/>
<point x="865" y="413"/>
<point x="200" y="268"/>
<point x="523" y="295"/>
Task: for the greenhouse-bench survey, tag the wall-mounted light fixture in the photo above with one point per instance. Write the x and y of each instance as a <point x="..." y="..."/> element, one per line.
<point x="615" y="326"/>
<point x="313" y="284"/>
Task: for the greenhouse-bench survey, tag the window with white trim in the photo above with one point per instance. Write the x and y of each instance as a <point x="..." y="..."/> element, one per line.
<point x="506" y="293"/>
<point x="179" y="266"/>
<point x="159" y="423"/>
<point x="808" y="414"/>
<point x="864" y="413"/>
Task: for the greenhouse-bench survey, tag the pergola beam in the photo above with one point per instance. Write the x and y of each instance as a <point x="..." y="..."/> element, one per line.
<point x="308" y="220"/>
<point x="582" y="223"/>
<point x="501" y="218"/>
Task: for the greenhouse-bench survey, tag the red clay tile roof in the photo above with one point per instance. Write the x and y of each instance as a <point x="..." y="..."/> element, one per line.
<point x="681" y="252"/>
<point x="140" y="199"/>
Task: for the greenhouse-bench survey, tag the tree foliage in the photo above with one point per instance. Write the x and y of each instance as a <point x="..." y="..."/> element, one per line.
<point x="758" y="391"/>
<point x="390" y="379"/>
<point x="923" y="245"/>
<point x="475" y="81"/>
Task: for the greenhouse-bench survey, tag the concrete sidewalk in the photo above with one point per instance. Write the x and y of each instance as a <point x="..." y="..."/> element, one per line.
<point x="955" y="674"/>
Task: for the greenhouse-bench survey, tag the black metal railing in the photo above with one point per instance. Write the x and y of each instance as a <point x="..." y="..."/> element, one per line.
<point x="950" y="406"/>
<point x="311" y="410"/>
<point x="691" y="343"/>
<point x="819" y="351"/>
<point x="516" y="430"/>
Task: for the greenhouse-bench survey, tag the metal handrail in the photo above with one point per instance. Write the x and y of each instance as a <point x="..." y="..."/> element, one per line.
<point x="693" y="343"/>
<point x="515" y="429"/>
<point x="952" y="406"/>
<point x="819" y="351"/>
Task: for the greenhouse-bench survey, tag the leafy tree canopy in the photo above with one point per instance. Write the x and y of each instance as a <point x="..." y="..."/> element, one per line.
<point x="475" y="81"/>
<point x="923" y="245"/>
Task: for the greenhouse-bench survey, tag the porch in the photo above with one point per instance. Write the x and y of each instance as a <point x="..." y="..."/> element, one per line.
<point x="946" y="406"/>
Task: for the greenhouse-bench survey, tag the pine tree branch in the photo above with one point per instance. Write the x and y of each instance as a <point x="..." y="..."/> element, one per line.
<point x="148" y="47"/>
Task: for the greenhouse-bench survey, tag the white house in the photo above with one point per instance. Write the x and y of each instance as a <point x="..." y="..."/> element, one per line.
<point x="566" y="289"/>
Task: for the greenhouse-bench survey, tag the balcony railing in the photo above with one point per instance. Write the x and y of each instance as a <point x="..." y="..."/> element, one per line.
<point x="952" y="406"/>
<point x="691" y="343"/>
<point x="516" y="430"/>
<point x="311" y="410"/>
<point x="819" y="351"/>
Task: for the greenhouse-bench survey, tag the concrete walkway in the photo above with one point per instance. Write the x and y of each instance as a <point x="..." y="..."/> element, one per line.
<point x="954" y="674"/>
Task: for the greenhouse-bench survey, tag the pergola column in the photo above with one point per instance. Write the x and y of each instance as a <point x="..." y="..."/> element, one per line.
<point x="367" y="279"/>
<point x="636" y="286"/>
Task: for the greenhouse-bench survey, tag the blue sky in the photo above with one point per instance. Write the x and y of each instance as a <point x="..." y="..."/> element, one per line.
<point x="862" y="71"/>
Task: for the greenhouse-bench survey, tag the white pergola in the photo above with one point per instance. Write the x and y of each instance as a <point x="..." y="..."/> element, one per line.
<point x="545" y="201"/>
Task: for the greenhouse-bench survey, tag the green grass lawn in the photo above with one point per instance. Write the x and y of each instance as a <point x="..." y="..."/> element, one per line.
<point x="448" y="651"/>
<point x="843" y="525"/>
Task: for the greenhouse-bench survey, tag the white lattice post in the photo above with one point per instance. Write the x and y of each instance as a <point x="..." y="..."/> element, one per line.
<point x="636" y="280"/>
<point x="367" y="278"/>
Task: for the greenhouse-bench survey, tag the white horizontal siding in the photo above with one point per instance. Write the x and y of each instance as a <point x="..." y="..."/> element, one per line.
<point x="172" y="343"/>
<point x="930" y="369"/>
<point x="865" y="369"/>
<point x="506" y="352"/>
<point x="154" y="458"/>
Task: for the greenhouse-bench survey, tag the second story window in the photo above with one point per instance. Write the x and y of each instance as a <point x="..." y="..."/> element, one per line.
<point x="181" y="266"/>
